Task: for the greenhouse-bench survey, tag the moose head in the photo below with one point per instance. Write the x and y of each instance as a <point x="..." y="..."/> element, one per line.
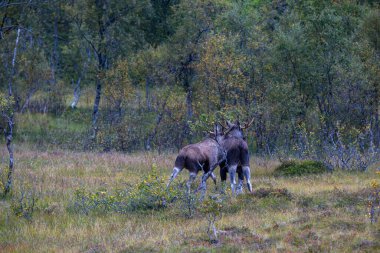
<point x="235" y="129"/>
<point x="218" y="133"/>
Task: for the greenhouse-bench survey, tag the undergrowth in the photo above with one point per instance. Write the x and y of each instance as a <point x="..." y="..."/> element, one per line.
<point x="149" y="194"/>
<point x="299" y="168"/>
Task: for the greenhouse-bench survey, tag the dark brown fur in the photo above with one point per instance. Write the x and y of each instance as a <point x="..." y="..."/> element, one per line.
<point x="199" y="156"/>
<point x="237" y="153"/>
<point x="205" y="155"/>
<point x="237" y="158"/>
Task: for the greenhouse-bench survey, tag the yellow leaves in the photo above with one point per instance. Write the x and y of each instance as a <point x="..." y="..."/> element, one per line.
<point x="374" y="184"/>
<point x="220" y="71"/>
<point x="118" y="86"/>
<point x="374" y="199"/>
<point x="268" y="67"/>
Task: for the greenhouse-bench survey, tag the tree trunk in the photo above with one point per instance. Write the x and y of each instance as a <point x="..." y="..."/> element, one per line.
<point x="376" y="111"/>
<point x="54" y="60"/>
<point x="9" y="138"/>
<point x="147" y="93"/>
<point x="27" y="100"/>
<point x="96" y="107"/>
<point x="76" y="94"/>
<point x="189" y="104"/>
<point x="102" y="65"/>
<point x="377" y="128"/>
<point x="160" y="115"/>
<point x="10" y="118"/>
<point x="189" y="101"/>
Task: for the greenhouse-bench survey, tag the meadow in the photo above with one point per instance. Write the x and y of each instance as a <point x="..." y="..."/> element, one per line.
<point x="96" y="97"/>
<point x="320" y="213"/>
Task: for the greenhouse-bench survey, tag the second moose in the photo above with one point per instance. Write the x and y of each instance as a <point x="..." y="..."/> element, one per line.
<point x="227" y="149"/>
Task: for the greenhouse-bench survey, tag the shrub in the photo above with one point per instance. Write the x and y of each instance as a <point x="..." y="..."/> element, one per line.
<point x="299" y="168"/>
<point x="212" y="209"/>
<point x="150" y="193"/>
<point x="187" y="203"/>
<point x="25" y="200"/>
<point x="24" y="204"/>
<point x="374" y="200"/>
<point x="99" y="201"/>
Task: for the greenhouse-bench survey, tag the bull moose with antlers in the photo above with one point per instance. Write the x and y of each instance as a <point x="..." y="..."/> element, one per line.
<point x="227" y="149"/>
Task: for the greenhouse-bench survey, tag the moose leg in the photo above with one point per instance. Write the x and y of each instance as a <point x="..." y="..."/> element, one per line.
<point x="223" y="171"/>
<point x="192" y="177"/>
<point x="203" y="185"/>
<point x="204" y="179"/>
<point x="213" y="177"/>
<point x="232" y="172"/>
<point x="174" y="175"/>
<point x="223" y="176"/>
<point x="239" y="188"/>
<point x="209" y="173"/>
<point x="247" y="175"/>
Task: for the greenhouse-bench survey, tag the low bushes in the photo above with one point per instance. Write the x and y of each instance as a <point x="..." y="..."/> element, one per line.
<point x="150" y="193"/>
<point x="299" y="168"/>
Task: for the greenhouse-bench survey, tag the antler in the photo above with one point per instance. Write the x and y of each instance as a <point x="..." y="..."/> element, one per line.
<point x="223" y="125"/>
<point x="247" y="125"/>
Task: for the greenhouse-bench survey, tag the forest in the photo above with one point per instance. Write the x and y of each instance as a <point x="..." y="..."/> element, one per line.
<point x="97" y="97"/>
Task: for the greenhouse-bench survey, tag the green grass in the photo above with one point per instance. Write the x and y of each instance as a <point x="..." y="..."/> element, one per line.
<point x="47" y="130"/>
<point x="324" y="212"/>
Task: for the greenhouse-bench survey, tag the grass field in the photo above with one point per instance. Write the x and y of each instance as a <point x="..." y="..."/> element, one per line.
<point x="325" y="213"/>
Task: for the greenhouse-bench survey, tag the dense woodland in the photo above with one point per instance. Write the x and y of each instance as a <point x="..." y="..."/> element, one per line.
<point x="154" y="75"/>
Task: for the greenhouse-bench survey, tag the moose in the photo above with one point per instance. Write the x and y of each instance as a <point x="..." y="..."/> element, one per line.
<point x="237" y="157"/>
<point x="226" y="149"/>
<point x="202" y="156"/>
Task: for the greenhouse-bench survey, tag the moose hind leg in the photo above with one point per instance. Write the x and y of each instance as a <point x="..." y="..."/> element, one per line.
<point x="192" y="177"/>
<point x="223" y="176"/>
<point x="247" y="175"/>
<point x="232" y="172"/>
<point x="239" y="188"/>
<point x="205" y="176"/>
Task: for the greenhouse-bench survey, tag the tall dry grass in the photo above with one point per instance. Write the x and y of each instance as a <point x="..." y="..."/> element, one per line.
<point x="326" y="212"/>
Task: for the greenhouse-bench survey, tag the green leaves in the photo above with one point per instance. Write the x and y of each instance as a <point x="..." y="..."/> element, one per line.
<point x="6" y="105"/>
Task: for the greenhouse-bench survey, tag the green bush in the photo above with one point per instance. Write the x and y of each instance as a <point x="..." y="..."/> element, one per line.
<point x="150" y="193"/>
<point x="299" y="168"/>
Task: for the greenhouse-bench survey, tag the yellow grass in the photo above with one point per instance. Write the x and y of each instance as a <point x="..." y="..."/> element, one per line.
<point x="326" y="212"/>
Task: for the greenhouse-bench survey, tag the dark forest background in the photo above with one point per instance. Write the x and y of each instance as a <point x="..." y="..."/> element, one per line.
<point x="154" y="75"/>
